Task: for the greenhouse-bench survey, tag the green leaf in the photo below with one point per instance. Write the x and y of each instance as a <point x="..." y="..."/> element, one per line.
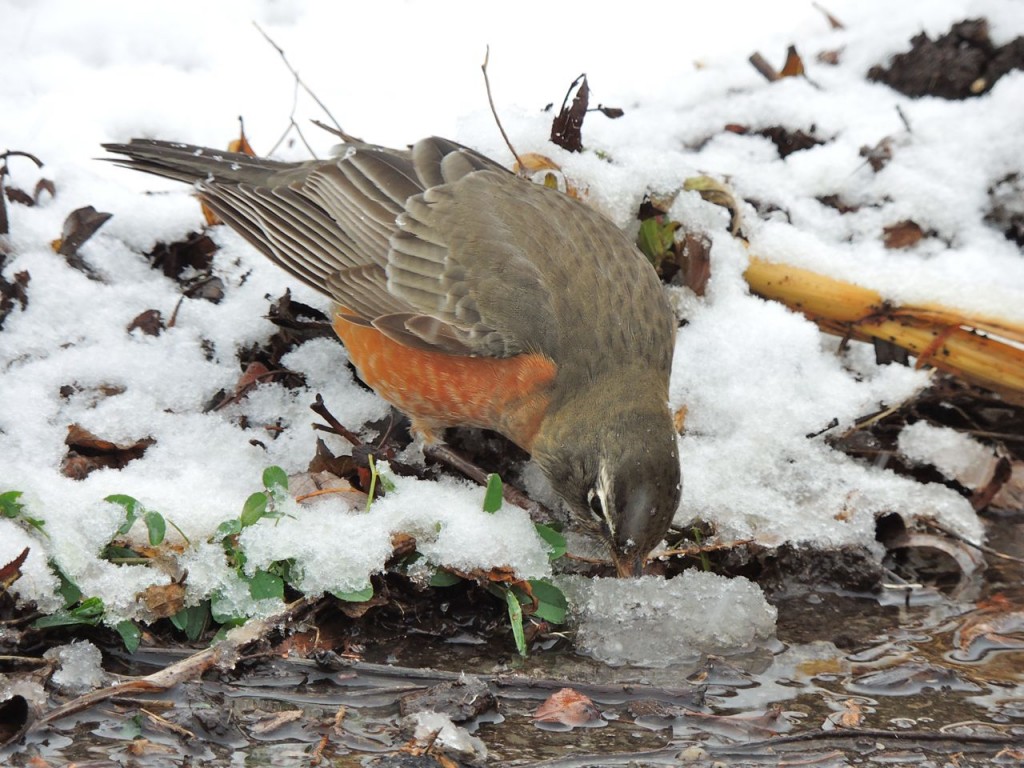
<point x="227" y="627"/>
<point x="112" y="552"/>
<point x="131" y="508"/>
<point x="275" y="480"/>
<point x="551" y="603"/>
<point x="130" y="634"/>
<point x="156" y="527"/>
<point x="264" y="585"/>
<point x="230" y="527"/>
<point x="68" y="589"/>
<point x="515" y="617"/>
<point x="9" y="504"/>
<point x="373" y="480"/>
<point x="88" y="612"/>
<point x="222" y="611"/>
<point x="492" y="497"/>
<point x="444" y="579"/>
<point x="656" y="238"/>
<point x="359" y="596"/>
<point x="254" y="508"/>
<point x="553" y="538"/>
<point x="193" y="620"/>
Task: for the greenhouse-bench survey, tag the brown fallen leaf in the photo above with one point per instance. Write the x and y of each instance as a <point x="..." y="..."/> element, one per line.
<point x="851" y="715"/>
<point x="567" y="707"/>
<point x="150" y="322"/>
<point x="11" y="572"/>
<point x="994" y="621"/>
<point x="12" y="293"/>
<point x="87" y="452"/>
<point x="794" y="66"/>
<point x="79" y="226"/>
<point x="194" y="252"/>
<point x="164" y="600"/>
<point x="903" y="234"/>
<point x="567" y="127"/>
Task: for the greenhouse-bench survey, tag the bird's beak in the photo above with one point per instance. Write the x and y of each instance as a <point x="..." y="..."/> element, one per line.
<point x="629" y="566"/>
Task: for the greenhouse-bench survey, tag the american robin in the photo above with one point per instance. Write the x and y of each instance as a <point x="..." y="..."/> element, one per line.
<point x="466" y="295"/>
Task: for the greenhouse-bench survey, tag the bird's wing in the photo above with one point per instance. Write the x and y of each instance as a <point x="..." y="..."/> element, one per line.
<point x="437" y="246"/>
<point x="453" y="266"/>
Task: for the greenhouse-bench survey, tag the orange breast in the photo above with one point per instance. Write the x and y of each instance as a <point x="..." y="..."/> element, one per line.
<point x="438" y="390"/>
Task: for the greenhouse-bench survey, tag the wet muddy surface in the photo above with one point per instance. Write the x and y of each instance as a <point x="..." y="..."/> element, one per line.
<point x="909" y="676"/>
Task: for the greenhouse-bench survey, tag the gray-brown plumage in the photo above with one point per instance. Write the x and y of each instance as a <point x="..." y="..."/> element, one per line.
<point x="467" y="295"/>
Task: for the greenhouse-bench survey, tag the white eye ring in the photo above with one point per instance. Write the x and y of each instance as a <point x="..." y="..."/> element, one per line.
<point x="596" y="505"/>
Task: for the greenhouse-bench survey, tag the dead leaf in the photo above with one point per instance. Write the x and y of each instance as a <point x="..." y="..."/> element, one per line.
<point x="195" y="251"/>
<point x="11" y="572"/>
<point x="994" y="622"/>
<point x="12" y="292"/>
<point x="851" y="716"/>
<point x="833" y="22"/>
<point x="150" y="322"/>
<point x="43" y="185"/>
<point x="16" y="195"/>
<point x="879" y="155"/>
<point x="695" y="258"/>
<point x="794" y="66"/>
<point x="87" y="452"/>
<point x="164" y="600"/>
<point x="788" y="141"/>
<point x="832" y="58"/>
<point x="902" y="234"/>
<point x="79" y="226"/>
<point x="567" y="707"/>
<point x="542" y="170"/>
<point x="567" y="127"/>
<point x="679" y="419"/>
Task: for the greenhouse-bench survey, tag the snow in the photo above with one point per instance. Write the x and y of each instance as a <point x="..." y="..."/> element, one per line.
<point x="79" y="667"/>
<point x="756" y="379"/>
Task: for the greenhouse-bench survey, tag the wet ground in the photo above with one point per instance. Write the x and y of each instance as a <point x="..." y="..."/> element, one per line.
<point x="914" y="676"/>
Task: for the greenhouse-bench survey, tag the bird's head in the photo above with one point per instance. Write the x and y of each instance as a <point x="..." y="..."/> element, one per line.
<point x="618" y="470"/>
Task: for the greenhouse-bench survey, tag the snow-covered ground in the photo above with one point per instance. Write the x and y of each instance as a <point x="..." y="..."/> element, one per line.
<point x="756" y="378"/>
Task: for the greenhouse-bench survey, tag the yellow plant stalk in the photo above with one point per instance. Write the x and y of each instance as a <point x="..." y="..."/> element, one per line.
<point x="983" y="350"/>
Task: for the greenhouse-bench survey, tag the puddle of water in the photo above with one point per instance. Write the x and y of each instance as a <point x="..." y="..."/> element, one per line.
<point x="845" y="671"/>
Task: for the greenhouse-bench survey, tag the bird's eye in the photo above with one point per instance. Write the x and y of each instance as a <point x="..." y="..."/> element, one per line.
<point x="596" y="507"/>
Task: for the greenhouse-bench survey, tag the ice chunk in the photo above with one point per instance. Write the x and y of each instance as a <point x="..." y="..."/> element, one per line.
<point x="437" y="728"/>
<point x="653" y="622"/>
<point x="80" y="667"/>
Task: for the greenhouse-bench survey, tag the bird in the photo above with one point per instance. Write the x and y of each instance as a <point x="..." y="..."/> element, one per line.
<point x="467" y="295"/>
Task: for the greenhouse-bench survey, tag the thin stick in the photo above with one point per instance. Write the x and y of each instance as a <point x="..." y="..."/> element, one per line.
<point x="320" y="410"/>
<point x="761" y="65"/>
<point x="494" y="111"/>
<point x="223" y="654"/>
<point x="298" y="79"/>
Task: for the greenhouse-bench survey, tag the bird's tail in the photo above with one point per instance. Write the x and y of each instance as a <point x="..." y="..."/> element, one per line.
<point x="191" y="164"/>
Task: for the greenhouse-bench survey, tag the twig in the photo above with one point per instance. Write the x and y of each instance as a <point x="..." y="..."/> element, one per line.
<point x="761" y="65"/>
<point x="343" y="135"/>
<point x="445" y="455"/>
<point x="494" y="111"/>
<point x="298" y="79"/>
<point x="223" y="654"/>
<point x="320" y="410"/>
<point x="976" y="545"/>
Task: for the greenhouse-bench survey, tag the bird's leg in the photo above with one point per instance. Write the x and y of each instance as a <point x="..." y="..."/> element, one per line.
<point x="427" y="435"/>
